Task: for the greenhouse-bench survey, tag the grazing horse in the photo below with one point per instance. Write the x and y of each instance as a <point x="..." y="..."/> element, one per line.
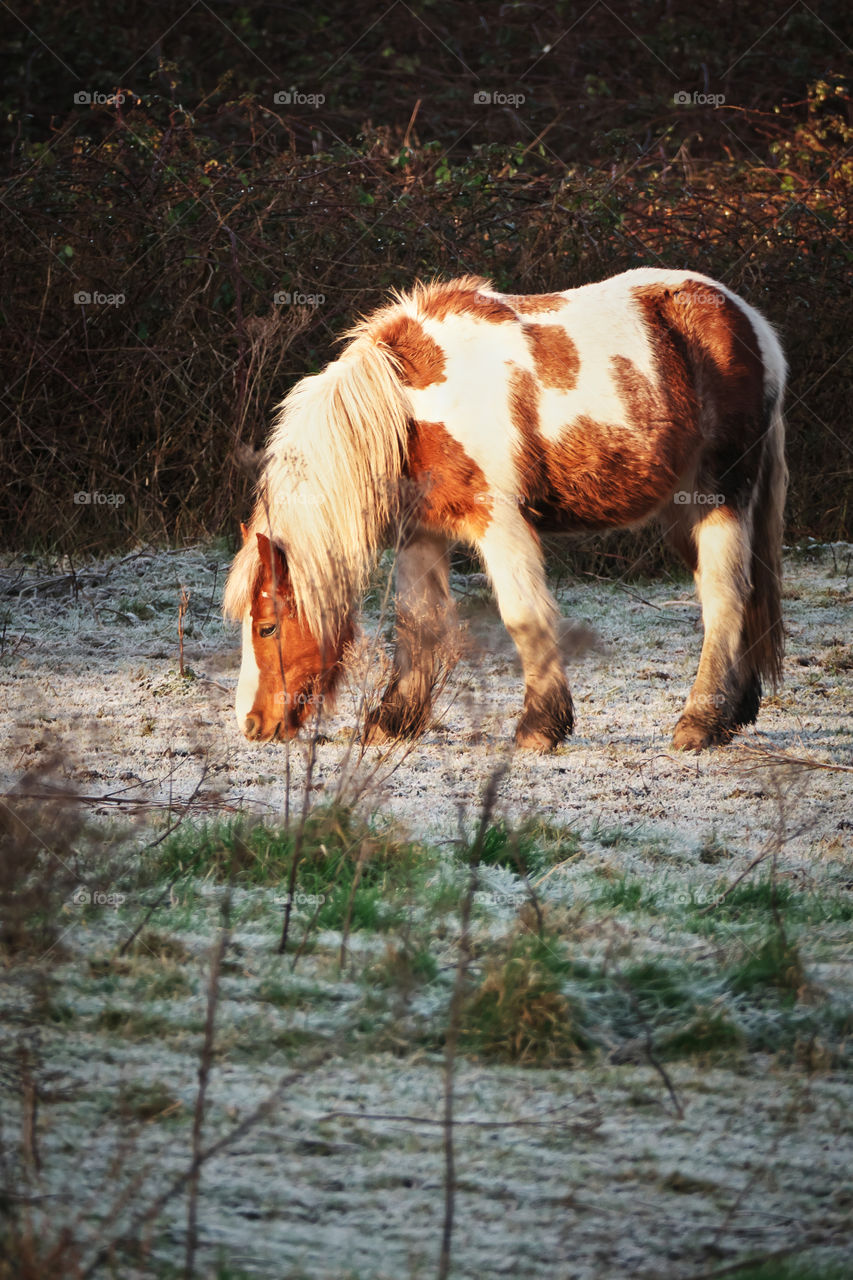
<point x="457" y="412"/>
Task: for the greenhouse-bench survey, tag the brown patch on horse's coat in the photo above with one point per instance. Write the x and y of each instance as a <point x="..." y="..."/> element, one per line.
<point x="555" y="356"/>
<point x="711" y="342"/>
<point x="455" y="492"/>
<point x="601" y="476"/>
<point x="463" y="297"/>
<point x="533" y="304"/>
<point x="598" y="475"/>
<point x="421" y="359"/>
<point x="530" y="452"/>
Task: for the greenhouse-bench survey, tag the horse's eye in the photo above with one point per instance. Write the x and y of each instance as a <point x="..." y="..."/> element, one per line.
<point x="267" y="630"/>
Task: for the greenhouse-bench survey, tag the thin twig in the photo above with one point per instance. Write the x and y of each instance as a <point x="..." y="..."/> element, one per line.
<point x="649" y="1046"/>
<point x="204" y="1065"/>
<point x="454" y="1023"/>
<point x="773" y="755"/>
<point x="393" y="1118"/>
<point x="297" y="845"/>
<point x="149" y="1214"/>
<point x="359" y="867"/>
<point x="182" y="608"/>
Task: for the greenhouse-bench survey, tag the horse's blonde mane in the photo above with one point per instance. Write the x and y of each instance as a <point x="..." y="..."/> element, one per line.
<point x="331" y="479"/>
<point x="330" y="485"/>
<point x="242" y="581"/>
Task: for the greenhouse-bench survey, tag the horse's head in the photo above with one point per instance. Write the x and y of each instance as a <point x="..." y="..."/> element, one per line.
<point x="285" y="673"/>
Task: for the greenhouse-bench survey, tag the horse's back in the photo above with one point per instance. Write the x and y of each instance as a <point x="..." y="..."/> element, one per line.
<point x="584" y="406"/>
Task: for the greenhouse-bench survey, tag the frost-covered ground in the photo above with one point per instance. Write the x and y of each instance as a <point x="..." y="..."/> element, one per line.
<point x="589" y="1170"/>
<point x="90" y="672"/>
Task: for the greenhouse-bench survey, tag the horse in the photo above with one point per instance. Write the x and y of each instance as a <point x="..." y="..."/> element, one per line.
<point x="459" y="413"/>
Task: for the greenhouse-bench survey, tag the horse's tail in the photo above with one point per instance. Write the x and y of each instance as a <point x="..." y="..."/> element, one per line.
<point x="332" y="483"/>
<point x="763" y="632"/>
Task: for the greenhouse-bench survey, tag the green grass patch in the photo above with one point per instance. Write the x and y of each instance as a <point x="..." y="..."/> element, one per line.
<point x="519" y="1012"/>
<point x="774" y="964"/>
<point x="710" y="1033"/>
<point x="624" y="893"/>
<point x="614" y="837"/>
<point x="168" y="984"/>
<point x="407" y="963"/>
<point x="135" y="1024"/>
<point x="648" y="998"/>
<point x="764" y="899"/>
<point x="657" y="987"/>
<point x="234" y="850"/>
<point x="529" y="848"/>
<point x="757" y="898"/>
<point x="281" y="994"/>
<point x="347" y="875"/>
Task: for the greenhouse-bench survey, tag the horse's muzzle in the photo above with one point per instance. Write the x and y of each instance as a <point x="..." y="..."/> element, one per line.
<point x="257" y="728"/>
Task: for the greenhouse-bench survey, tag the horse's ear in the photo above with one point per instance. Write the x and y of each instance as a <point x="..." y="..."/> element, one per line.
<point x="272" y="557"/>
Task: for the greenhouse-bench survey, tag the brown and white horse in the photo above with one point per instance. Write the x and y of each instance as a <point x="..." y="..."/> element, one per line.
<point x="488" y="418"/>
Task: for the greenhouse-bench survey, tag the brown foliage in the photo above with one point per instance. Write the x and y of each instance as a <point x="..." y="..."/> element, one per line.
<point x="226" y="242"/>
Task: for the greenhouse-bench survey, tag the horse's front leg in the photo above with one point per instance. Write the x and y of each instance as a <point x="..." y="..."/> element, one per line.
<point x="513" y="558"/>
<point x="424" y="614"/>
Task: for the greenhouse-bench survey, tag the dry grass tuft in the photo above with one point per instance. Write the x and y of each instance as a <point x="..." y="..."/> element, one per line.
<point x="518" y="1013"/>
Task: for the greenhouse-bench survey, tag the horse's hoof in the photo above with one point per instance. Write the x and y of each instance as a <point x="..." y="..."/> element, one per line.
<point x="691" y="735"/>
<point x="375" y="733"/>
<point x="547" y="721"/>
<point x="397" y="720"/>
<point x="535" y="740"/>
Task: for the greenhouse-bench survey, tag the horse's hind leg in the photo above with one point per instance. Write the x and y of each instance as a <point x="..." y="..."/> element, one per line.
<point x="424" y="613"/>
<point x="513" y="559"/>
<point x="726" y="692"/>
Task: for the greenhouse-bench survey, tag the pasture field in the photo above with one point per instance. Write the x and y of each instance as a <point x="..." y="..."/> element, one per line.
<point x="630" y="969"/>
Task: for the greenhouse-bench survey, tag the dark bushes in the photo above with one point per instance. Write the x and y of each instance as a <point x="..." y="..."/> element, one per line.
<point x="222" y="249"/>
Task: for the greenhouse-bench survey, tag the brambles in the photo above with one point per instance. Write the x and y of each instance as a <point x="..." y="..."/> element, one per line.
<point x="236" y="206"/>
